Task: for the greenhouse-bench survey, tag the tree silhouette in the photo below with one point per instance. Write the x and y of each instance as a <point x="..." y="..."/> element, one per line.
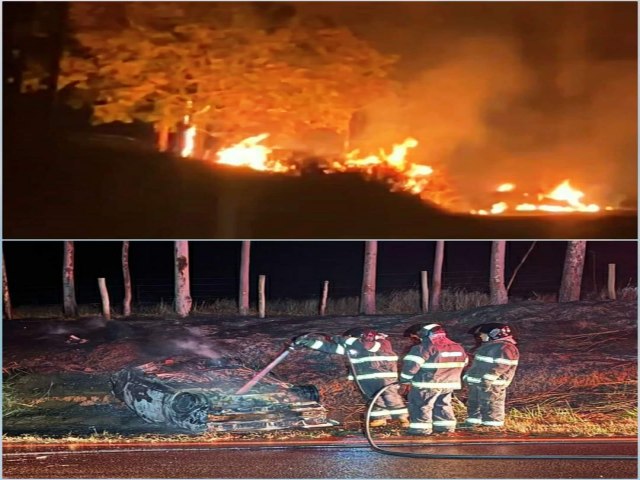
<point x="233" y="69"/>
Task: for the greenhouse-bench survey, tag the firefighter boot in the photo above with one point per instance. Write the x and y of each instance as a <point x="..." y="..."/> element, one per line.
<point x="404" y="422"/>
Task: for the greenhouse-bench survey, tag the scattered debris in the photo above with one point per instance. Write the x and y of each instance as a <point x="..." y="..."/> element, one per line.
<point x="74" y="339"/>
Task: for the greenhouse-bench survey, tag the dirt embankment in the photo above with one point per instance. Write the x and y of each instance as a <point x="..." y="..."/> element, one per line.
<point x="581" y="354"/>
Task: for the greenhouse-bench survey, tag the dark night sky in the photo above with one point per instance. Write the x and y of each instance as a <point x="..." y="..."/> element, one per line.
<point x="294" y="269"/>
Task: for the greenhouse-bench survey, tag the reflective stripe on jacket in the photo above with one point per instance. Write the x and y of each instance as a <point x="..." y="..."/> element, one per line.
<point x="434" y="363"/>
<point x="375" y="360"/>
<point x="494" y="363"/>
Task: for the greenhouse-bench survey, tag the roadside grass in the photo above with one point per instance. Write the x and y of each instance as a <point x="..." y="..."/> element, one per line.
<point x="387" y="303"/>
<point x="536" y="420"/>
<point x="12" y="402"/>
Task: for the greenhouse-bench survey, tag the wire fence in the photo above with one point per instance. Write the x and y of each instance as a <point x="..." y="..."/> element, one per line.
<point x="153" y="290"/>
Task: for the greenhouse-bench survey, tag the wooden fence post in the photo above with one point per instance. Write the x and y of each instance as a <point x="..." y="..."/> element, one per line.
<point x="261" y="296"/>
<point x="6" y="299"/>
<point x="325" y="293"/>
<point x="424" y="282"/>
<point x="104" y="295"/>
<point x="126" y="276"/>
<point x="611" y="281"/>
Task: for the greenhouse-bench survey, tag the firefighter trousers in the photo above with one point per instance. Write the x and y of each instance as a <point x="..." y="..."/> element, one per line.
<point x="485" y="405"/>
<point x="430" y="410"/>
<point x="389" y="404"/>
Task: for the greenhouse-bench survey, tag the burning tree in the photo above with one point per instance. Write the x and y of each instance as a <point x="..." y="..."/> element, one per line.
<point x="225" y="67"/>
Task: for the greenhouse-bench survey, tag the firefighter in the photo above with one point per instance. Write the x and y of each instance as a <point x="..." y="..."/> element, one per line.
<point x="492" y="370"/>
<point x="432" y="369"/>
<point x="373" y="365"/>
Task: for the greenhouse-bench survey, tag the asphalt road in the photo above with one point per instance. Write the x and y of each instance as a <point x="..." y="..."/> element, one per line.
<point x="318" y="461"/>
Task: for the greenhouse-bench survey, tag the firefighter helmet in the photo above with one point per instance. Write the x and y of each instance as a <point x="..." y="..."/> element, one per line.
<point x="491" y="331"/>
<point x="424" y="330"/>
<point x="365" y="333"/>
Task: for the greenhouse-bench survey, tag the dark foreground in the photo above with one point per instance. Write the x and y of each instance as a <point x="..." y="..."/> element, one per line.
<point x="112" y="189"/>
<point x="318" y="461"/>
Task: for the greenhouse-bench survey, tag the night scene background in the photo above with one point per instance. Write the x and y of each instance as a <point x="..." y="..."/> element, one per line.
<point x="66" y="376"/>
<point x="297" y="269"/>
<point x="320" y="120"/>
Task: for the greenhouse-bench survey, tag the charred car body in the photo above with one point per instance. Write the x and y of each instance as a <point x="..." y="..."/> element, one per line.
<point x="198" y="396"/>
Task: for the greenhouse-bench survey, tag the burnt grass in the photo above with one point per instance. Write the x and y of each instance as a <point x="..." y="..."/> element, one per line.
<point x="108" y="187"/>
<point x="581" y="355"/>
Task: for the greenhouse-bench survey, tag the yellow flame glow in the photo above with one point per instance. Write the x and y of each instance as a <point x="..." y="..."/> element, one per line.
<point x="251" y="153"/>
<point x="506" y="187"/>
<point x="189" y="141"/>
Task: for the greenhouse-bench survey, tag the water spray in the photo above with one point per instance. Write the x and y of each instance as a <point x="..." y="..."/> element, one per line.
<point x="289" y="348"/>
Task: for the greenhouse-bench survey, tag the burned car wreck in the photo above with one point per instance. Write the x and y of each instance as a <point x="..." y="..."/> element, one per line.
<point x="201" y="396"/>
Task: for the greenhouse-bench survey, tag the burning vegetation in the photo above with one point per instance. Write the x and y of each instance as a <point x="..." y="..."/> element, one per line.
<point x="435" y="111"/>
<point x="397" y="170"/>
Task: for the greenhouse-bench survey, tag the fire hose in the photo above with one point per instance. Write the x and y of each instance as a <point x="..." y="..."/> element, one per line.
<point x="379" y="449"/>
<point x="289" y="347"/>
<point x="260" y="375"/>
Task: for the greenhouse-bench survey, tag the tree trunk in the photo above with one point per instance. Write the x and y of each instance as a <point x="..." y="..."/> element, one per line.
<point x="104" y="296"/>
<point x="245" y="255"/>
<point x="70" y="307"/>
<point x="437" y="276"/>
<point x="424" y="284"/>
<point x="6" y="299"/>
<point x="162" y="137"/>
<point x="497" y="289"/>
<point x="182" y="288"/>
<point x="126" y="274"/>
<point x="572" y="271"/>
<point x="262" y="297"/>
<point x="323" y="300"/>
<point x="368" y="294"/>
<point x="611" y="281"/>
<point x="524" y="259"/>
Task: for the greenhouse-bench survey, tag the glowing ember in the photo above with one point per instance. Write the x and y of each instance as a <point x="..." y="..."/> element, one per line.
<point x="497" y="208"/>
<point x="506" y="187"/>
<point x="252" y="154"/>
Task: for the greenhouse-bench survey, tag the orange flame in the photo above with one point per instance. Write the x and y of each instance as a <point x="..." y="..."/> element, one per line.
<point x="189" y="137"/>
<point x="566" y="200"/>
<point x="393" y="166"/>
<point x="251" y="153"/>
<point x="189" y="142"/>
<point x="401" y="174"/>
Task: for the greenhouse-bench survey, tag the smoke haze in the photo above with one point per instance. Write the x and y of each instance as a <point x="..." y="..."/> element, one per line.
<point x="531" y="94"/>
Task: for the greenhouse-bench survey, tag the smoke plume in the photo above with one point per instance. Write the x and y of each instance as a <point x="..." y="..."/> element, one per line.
<point x="531" y="94"/>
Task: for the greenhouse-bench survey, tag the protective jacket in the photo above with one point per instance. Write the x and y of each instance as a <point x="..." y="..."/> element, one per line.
<point x="370" y="361"/>
<point x="494" y="363"/>
<point x="375" y="367"/>
<point x="434" y="363"/>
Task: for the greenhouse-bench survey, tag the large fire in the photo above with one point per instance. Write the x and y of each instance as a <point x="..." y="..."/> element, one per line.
<point x="562" y="199"/>
<point x="394" y="168"/>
